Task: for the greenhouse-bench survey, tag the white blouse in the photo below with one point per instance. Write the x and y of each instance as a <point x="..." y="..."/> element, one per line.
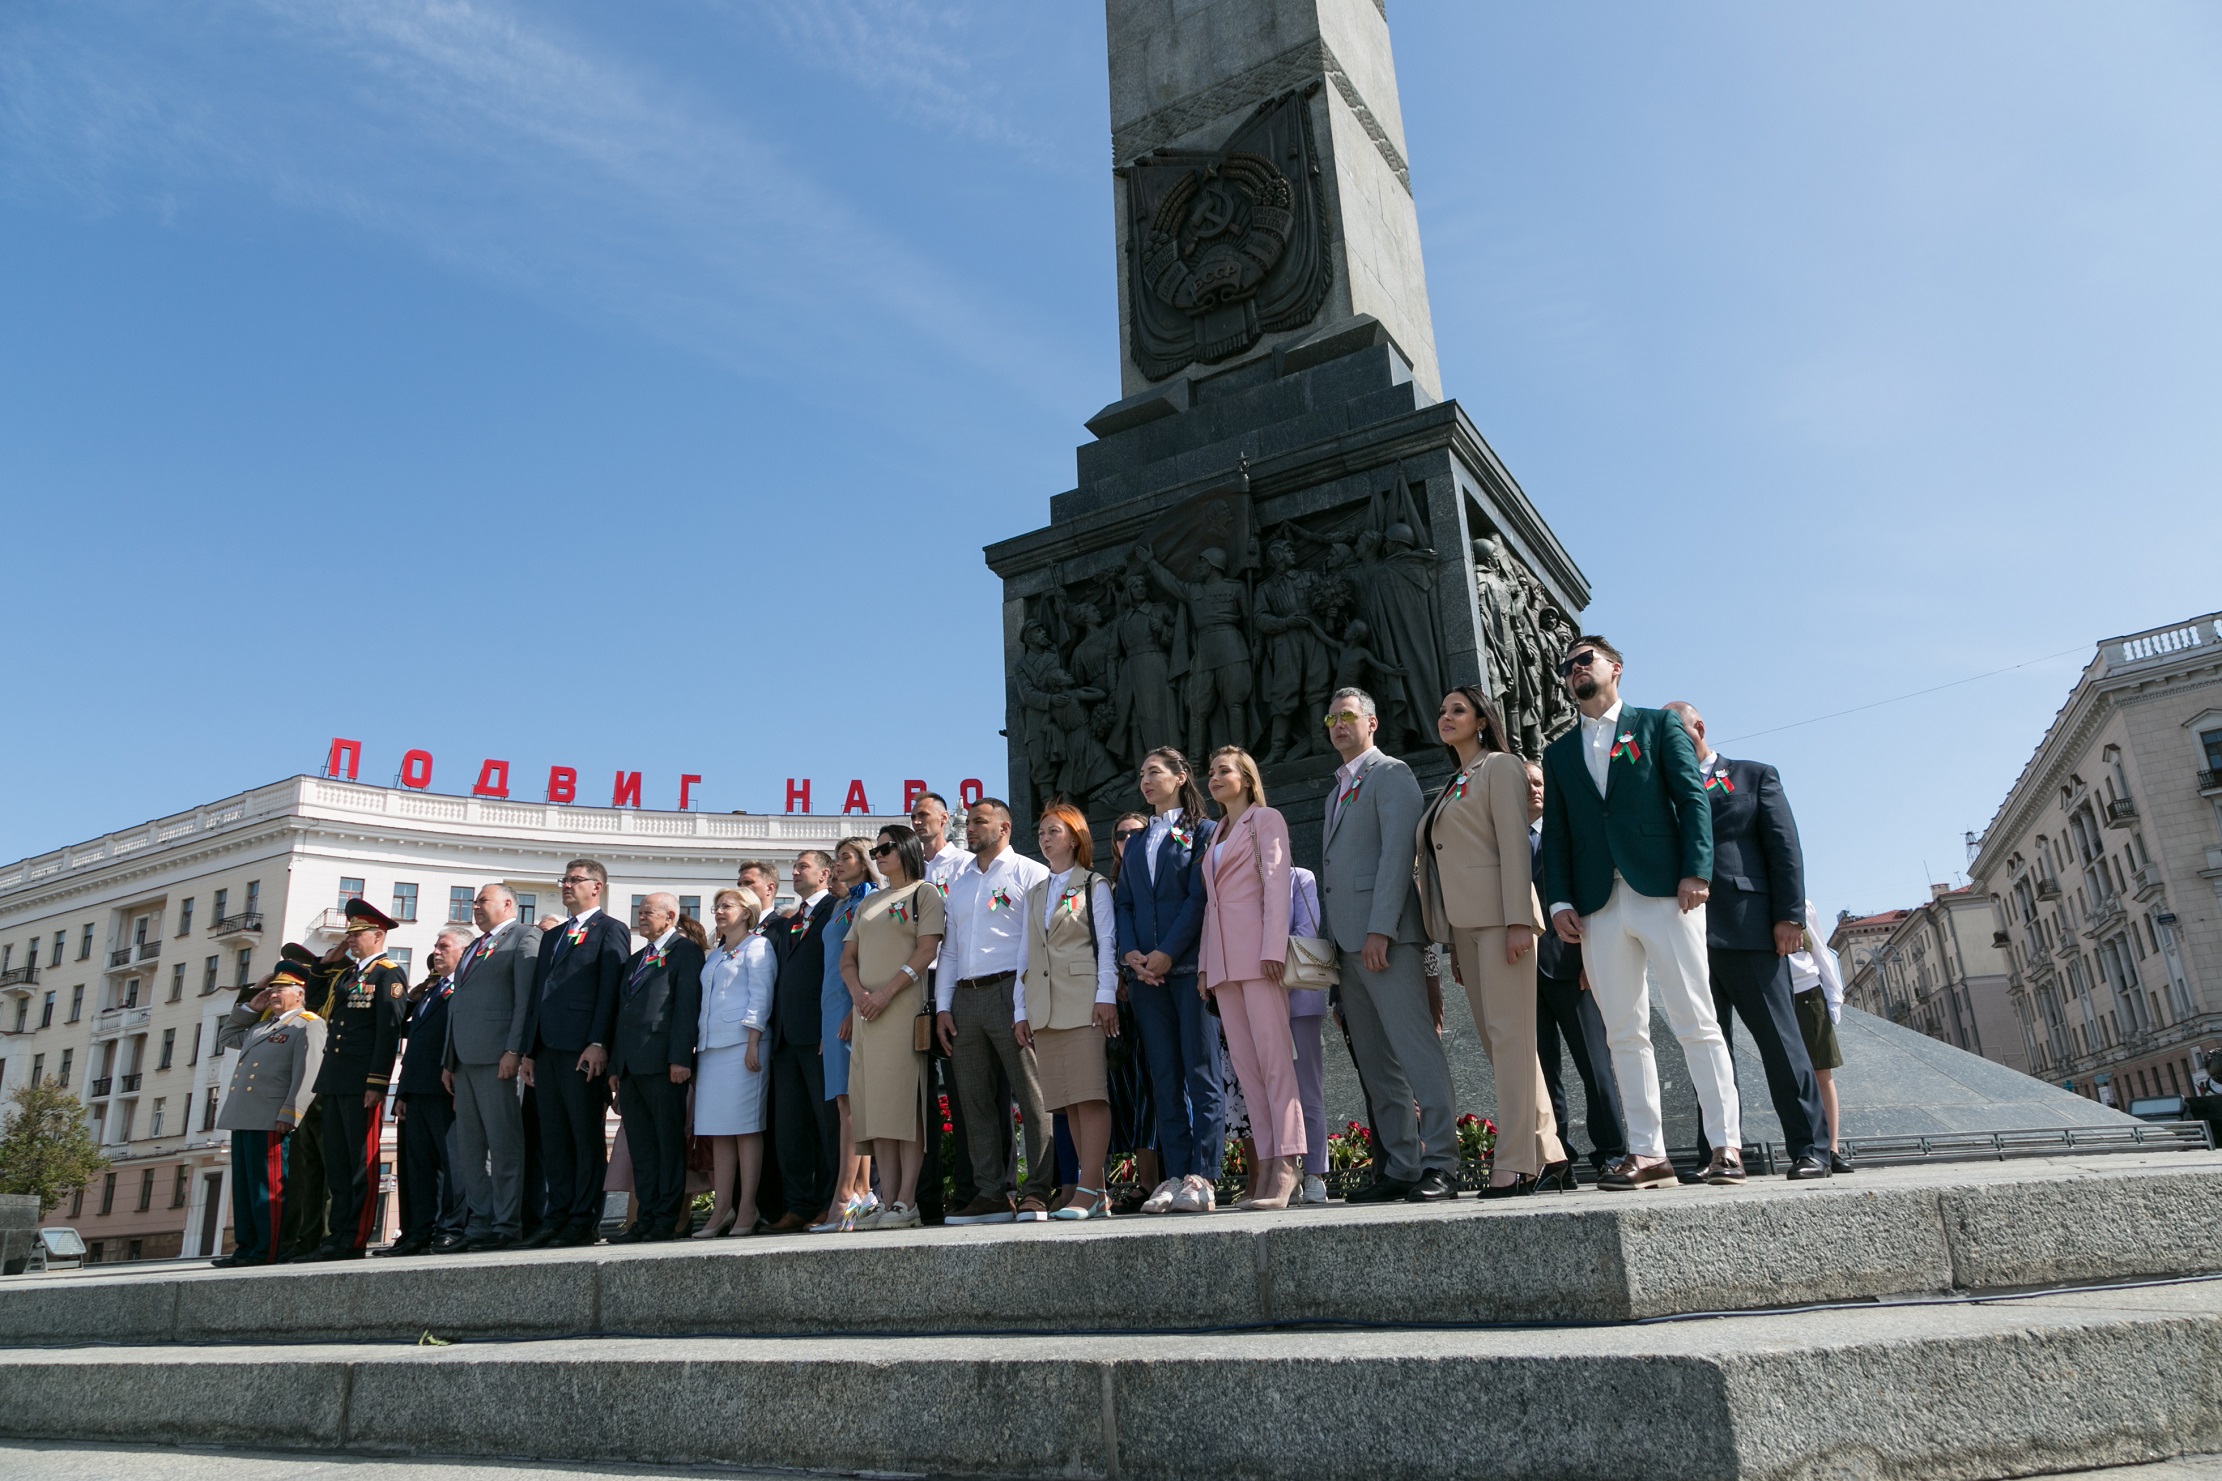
<point x="1107" y="945"/>
<point x="736" y="992"/>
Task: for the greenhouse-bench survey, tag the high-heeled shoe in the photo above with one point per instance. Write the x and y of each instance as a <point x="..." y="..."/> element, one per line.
<point x="1086" y="1203"/>
<point x="717" y="1227"/>
<point x="1556" y="1177"/>
<point x="1521" y="1186"/>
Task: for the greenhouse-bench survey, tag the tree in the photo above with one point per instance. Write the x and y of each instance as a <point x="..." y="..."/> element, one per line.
<point x="46" y="1149"/>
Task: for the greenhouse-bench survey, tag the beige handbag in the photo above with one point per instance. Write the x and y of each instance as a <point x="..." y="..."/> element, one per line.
<point x="1313" y="963"/>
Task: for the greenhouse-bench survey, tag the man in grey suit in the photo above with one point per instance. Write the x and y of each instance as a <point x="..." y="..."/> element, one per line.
<point x="1365" y="890"/>
<point x="486" y="1030"/>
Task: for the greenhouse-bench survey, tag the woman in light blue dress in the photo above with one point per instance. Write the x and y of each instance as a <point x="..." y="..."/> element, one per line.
<point x="729" y="1075"/>
<point x="853" y="878"/>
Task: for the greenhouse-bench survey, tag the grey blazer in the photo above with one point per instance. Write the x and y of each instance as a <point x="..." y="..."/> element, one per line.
<point x="486" y="1012"/>
<point x="1366" y="854"/>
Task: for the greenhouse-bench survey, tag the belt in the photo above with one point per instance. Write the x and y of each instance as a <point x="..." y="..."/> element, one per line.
<point x="988" y="981"/>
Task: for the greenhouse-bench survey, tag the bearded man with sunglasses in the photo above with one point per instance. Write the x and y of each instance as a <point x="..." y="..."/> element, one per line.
<point x="1627" y="867"/>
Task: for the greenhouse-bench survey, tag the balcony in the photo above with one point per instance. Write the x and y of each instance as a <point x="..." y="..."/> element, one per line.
<point x="2145" y="884"/>
<point x="2001" y="940"/>
<point x="244" y="923"/>
<point x="2120" y="813"/>
<point x="125" y="958"/>
<point x="2106" y="916"/>
<point x="130" y="1085"/>
<point x="109" y="1022"/>
<point x="2210" y="782"/>
<point x="20" y="978"/>
<point x="98" y="1088"/>
<point x="2048" y="888"/>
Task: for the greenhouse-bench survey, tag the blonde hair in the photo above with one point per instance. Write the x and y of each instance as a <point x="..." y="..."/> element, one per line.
<point x="752" y="909"/>
<point x="862" y="848"/>
<point x="1247" y="765"/>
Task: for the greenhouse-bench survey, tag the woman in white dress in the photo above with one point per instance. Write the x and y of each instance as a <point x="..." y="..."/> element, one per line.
<point x="729" y="1063"/>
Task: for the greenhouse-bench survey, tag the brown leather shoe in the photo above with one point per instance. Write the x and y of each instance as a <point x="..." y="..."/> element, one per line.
<point x="1726" y="1170"/>
<point x="1031" y="1210"/>
<point x="789" y="1224"/>
<point x="1631" y="1172"/>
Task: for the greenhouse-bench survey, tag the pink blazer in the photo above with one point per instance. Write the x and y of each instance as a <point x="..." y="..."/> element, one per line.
<point x="1245" y="898"/>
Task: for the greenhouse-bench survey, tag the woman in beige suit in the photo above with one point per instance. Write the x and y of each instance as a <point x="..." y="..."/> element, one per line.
<point x="1065" y="1002"/>
<point x="893" y="938"/>
<point x="1477" y="895"/>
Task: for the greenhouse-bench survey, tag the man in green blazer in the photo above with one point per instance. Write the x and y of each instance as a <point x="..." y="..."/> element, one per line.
<point x="1627" y="866"/>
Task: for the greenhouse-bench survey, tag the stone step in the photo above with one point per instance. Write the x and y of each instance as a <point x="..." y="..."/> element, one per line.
<point x="1587" y="1256"/>
<point x="2009" y="1386"/>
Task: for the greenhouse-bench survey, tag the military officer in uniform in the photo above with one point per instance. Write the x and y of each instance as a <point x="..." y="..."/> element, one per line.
<point x="368" y="1000"/>
<point x="280" y="1045"/>
<point x="305" y="1195"/>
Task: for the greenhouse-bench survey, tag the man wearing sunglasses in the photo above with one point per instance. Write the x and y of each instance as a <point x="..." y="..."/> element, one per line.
<point x="1627" y="867"/>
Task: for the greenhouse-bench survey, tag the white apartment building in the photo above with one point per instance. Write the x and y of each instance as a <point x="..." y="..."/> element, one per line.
<point x="2104" y="870"/>
<point x="119" y="956"/>
<point x="1938" y="970"/>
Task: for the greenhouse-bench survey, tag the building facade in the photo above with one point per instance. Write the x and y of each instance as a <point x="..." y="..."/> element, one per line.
<point x="2103" y="870"/>
<point x="119" y="956"/>
<point x="1936" y="969"/>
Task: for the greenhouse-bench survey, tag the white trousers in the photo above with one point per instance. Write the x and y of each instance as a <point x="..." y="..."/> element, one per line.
<point x="1634" y="933"/>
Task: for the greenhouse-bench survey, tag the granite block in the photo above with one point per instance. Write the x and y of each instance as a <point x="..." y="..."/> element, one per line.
<point x="39" y="1311"/>
<point x="2097" y="1225"/>
<point x="217" y="1397"/>
<point x="452" y="1295"/>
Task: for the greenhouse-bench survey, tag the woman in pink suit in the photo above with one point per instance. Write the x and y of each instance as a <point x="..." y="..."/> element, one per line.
<point x="1245" y="945"/>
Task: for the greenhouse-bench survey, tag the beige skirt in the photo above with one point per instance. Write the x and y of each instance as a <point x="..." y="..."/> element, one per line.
<point x="1069" y="1064"/>
<point x="884" y="1074"/>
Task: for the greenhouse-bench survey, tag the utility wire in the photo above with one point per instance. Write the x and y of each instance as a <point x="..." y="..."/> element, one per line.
<point x="1900" y="698"/>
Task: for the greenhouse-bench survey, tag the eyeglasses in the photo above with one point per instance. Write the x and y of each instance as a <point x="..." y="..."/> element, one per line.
<point x="1581" y="660"/>
<point x="881" y="851"/>
<point x="1345" y="717"/>
<point x="578" y="879"/>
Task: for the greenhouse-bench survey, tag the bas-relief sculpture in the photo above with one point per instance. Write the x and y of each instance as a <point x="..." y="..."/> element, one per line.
<point x="1243" y="639"/>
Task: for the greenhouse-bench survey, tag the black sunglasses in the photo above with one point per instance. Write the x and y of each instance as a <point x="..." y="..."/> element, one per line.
<point x="1581" y="660"/>
<point x="881" y="851"/>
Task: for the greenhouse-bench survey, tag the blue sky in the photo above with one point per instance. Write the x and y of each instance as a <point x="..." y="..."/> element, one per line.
<point x="636" y="386"/>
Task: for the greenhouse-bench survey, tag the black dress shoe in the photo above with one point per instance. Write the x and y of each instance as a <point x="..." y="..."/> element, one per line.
<point x="1381" y="1190"/>
<point x="548" y="1235"/>
<point x="1838" y="1162"/>
<point x="1520" y="1187"/>
<point x="630" y="1234"/>
<point x="584" y="1232"/>
<point x="448" y="1244"/>
<point x="483" y="1243"/>
<point x="1806" y="1169"/>
<point x="1434" y="1186"/>
<point x="227" y="1262"/>
<point x="405" y="1247"/>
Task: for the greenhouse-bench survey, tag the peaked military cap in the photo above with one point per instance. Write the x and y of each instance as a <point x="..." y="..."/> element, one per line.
<point x="294" y="951"/>
<point x="364" y="916"/>
<point x="290" y="972"/>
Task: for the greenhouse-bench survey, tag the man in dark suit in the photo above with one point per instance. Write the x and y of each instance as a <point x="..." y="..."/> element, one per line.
<point x="1753" y="922"/>
<point x="432" y="1209"/>
<point x="1627" y="866"/>
<point x="487" y="1021"/>
<point x="806" y="1126"/>
<point x="651" y="1060"/>
<point x="574" y="1005"/>
<point x="1566" y="1011"/>
<point x="367" y="1001"/>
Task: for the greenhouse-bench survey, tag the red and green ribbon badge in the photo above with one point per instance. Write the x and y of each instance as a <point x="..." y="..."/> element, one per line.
<point x="1626" y="743"/>
<point x="1457" y="788"/>
<point x="1182" y="835"/>
<point x="1719" y="779"/>
<point x="1344" y="800"/>
<point x="1069" y="903"/>
<point x="904" y="910"/>
<point x="577" y="933"/>
<point x="1000" y="900"/>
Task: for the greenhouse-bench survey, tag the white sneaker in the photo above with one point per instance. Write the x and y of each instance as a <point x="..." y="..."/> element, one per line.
<point x="1161" y="1197"/>
<point x="1315" y="1188"/>
<point x="895" y="1216"/>
<point x="1195" y="1196"/>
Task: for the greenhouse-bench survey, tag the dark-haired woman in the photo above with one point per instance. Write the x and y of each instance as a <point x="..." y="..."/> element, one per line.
<point x="892" y="939"/>
<point x="1477" y="896"/>
<point x="1159" y="903"/>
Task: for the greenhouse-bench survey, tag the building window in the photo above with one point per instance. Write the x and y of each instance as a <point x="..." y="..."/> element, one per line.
<point x="76" y="1002"/>
<point x="46" y="1012"/>
<point x="185" y="917"/>
<point x="131" y="993"/>
<point x="458" y="903"/>
<point x="223" y="898"/>
<point x="146" y="1190"/>
<point x="246" y="966"/>
<point x="208" y="1111"/>
<point x="56" y="959"/>
<point x="182" y="1185"/>
<point x="85" y="943"/>
<point x="22" y="1013"/>
<point x="77" y="1203"/>
<point x="130" y="1110"/>
<point x="195" y="1057"/>
<point x="161" y="1113"/>
<point x="637" y="899"/>
<point x="404" y="900"/>
<point x="690" y="906"/>
<point x="402" y="957"/>
<point x="2210" y="741"/>
<point x="349" y="889"/>
<point x="528" y="909"/>
<point x="108" y="1194"/>
<point x="38" y="1068"/>
<point x="169" y="1048"/>
<point x="254" y="896"/>
<point x="177" y="982"/>
<point x="208" y="976"/>
<point x="7" y="956"/>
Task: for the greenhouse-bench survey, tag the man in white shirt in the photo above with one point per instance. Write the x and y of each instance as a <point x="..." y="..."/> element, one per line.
<point x="929" y="818"/>
<point x="972" y="996"/>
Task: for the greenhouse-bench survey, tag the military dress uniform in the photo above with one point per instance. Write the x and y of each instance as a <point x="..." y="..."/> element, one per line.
<point x="279" y="1054"/>
<point x="369" y="999"/>
<point x="306" y="1196"/>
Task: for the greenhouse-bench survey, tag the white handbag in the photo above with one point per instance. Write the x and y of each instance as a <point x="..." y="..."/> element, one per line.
<point x="1313" y="963"/>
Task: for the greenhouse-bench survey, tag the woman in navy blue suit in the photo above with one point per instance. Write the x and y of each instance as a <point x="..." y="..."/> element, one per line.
<point x="1159" y="903"/>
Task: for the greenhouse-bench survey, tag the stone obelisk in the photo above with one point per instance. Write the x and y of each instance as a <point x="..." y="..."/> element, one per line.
<point x="1281" y="502"/>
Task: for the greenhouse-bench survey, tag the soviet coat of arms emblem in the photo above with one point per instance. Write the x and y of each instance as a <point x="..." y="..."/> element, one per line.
<point x="1226" y="245"/>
